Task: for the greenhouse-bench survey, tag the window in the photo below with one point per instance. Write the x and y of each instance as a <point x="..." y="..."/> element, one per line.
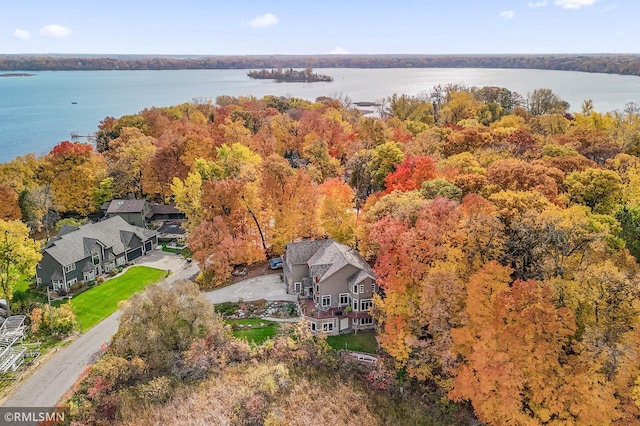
<point x="312" y="326"/>
<point x="355" y="321"/>
<point x="39" y="280"/>
<point x="120" y="261"/>
<point x="365" y="304"/>
<point x="89" y="276"/>
<point x="344" y="299"/>
<point x="327" y="326"/>
<point x="297" y="287"/>
<point x="366" y="321"/>
<point x="57" y="284"/>
<point x="354" y="304"/>
<point x="326" y="300"/>
<point x="317" y="288"/>
<point x="355" y="289"/>
<point x="373" y="288"/>
<point x="96" y="258"/>
<point x="361" y="288"/>
<point x="70" y="268"/>
<point x="72" y="281"/>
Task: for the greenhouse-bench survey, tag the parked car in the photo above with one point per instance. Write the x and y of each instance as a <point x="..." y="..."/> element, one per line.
<point x="275" y="263"/>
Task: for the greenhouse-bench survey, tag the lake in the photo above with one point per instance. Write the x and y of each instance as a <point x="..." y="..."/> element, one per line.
<point x="40" y="111"/>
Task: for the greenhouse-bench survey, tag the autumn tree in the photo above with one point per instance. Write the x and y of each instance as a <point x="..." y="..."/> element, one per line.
<point x="515" y="365"/>
<point x="217" y="251"/>
<point x="236" y="202"/>
<point x="72" y="170"/>
<point x="422" y="292"/>
<point x="410" y="174"/>
<point x="127" y="160"/>
<point x="9" y="208"/>
<point x="290" y="199"/>
<point x="18" y="255"/>
<point x="518" y="175"/>
<point x="337" y="213"/>
<point x="188" y="197"/>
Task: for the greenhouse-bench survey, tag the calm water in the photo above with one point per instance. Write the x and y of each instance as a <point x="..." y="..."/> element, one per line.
<point x="38" y="112"/>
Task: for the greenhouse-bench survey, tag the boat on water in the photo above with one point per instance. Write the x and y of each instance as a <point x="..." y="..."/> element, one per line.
<point x="73" y="103"/>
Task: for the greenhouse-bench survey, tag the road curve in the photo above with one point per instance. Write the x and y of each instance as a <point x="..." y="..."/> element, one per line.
<point x="48" y="384"/>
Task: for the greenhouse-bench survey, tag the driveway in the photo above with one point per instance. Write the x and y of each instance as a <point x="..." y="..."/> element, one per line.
<point x="48" y="384"/>
<point x="268" y="287"/>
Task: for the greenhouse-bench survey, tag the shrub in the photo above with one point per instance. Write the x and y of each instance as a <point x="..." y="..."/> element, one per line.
<point x="59" y="322"/>
<point x="99" y="280"/>
<point x="77" y="286"/>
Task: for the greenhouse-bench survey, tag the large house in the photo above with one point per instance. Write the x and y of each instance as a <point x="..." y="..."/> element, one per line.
<point x="81" y="253"/>
<point x="334" y="285"/>
<point x="140" y="212"/>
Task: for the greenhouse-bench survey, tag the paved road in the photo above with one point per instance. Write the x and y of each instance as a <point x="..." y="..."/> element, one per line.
<point x="46" y="386"/>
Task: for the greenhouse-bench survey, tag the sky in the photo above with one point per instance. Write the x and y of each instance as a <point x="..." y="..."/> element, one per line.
<point x="238" y="27"/>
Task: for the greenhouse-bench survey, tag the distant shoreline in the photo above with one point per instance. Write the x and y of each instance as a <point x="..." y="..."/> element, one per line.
<point x="621" y="64"/>
<point x="9" y="74"/>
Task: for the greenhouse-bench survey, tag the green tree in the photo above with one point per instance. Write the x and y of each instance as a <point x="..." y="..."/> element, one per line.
<point x="161" y="323"/>
<point x="384" y="160"/>
<point x="544" y="101"/>
<point x="18" y="255"/>
<point x="600" y="190"/>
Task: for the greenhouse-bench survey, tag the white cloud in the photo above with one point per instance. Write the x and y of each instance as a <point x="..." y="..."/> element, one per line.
<point x="265" y="20"/>
<point x="508" y="14"/>
<point x="339" y="50"/>
<point x="538" y="4"/>
<point x="54" y="30"/>
<point x="21" y="34"/>
<point x="573" y="4"/>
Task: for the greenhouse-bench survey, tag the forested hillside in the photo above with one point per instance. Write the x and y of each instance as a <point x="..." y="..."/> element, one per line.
<point x="505" y="232"/>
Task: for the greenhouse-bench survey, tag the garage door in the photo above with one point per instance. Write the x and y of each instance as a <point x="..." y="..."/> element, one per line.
<point x="134" y="253"/>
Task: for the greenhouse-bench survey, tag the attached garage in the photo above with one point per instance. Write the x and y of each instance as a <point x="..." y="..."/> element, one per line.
<point x="135" y="253"/>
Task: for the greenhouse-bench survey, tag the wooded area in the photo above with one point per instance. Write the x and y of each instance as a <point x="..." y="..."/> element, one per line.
<point x="626" y="64"/>
<point x="505" y="232"/>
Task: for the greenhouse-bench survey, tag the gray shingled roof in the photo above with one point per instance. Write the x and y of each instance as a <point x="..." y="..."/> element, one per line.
<point x="300" y="252"/>
<point x="126" y="206"/>
<point x="76" y="245"/>
<point x="326" y="257"/>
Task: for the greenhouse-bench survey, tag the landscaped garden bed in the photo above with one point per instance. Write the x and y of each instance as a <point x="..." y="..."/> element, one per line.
<point x="258" y="308"/>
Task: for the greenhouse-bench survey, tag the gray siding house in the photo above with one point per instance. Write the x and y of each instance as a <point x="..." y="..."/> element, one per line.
<point x="334" y="285"/>
<point x="135" y="212"/>
<point x="82" y="253"/>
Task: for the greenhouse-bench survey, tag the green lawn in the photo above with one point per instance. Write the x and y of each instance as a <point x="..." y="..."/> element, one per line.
<point x="96" y="304"/>
<point x="256" y="333"/>
<point x="364" y="341"/>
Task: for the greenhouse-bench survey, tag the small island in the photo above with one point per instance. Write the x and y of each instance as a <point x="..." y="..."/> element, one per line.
<point x="289" y="76"/>
<point x="14" y="74"/>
